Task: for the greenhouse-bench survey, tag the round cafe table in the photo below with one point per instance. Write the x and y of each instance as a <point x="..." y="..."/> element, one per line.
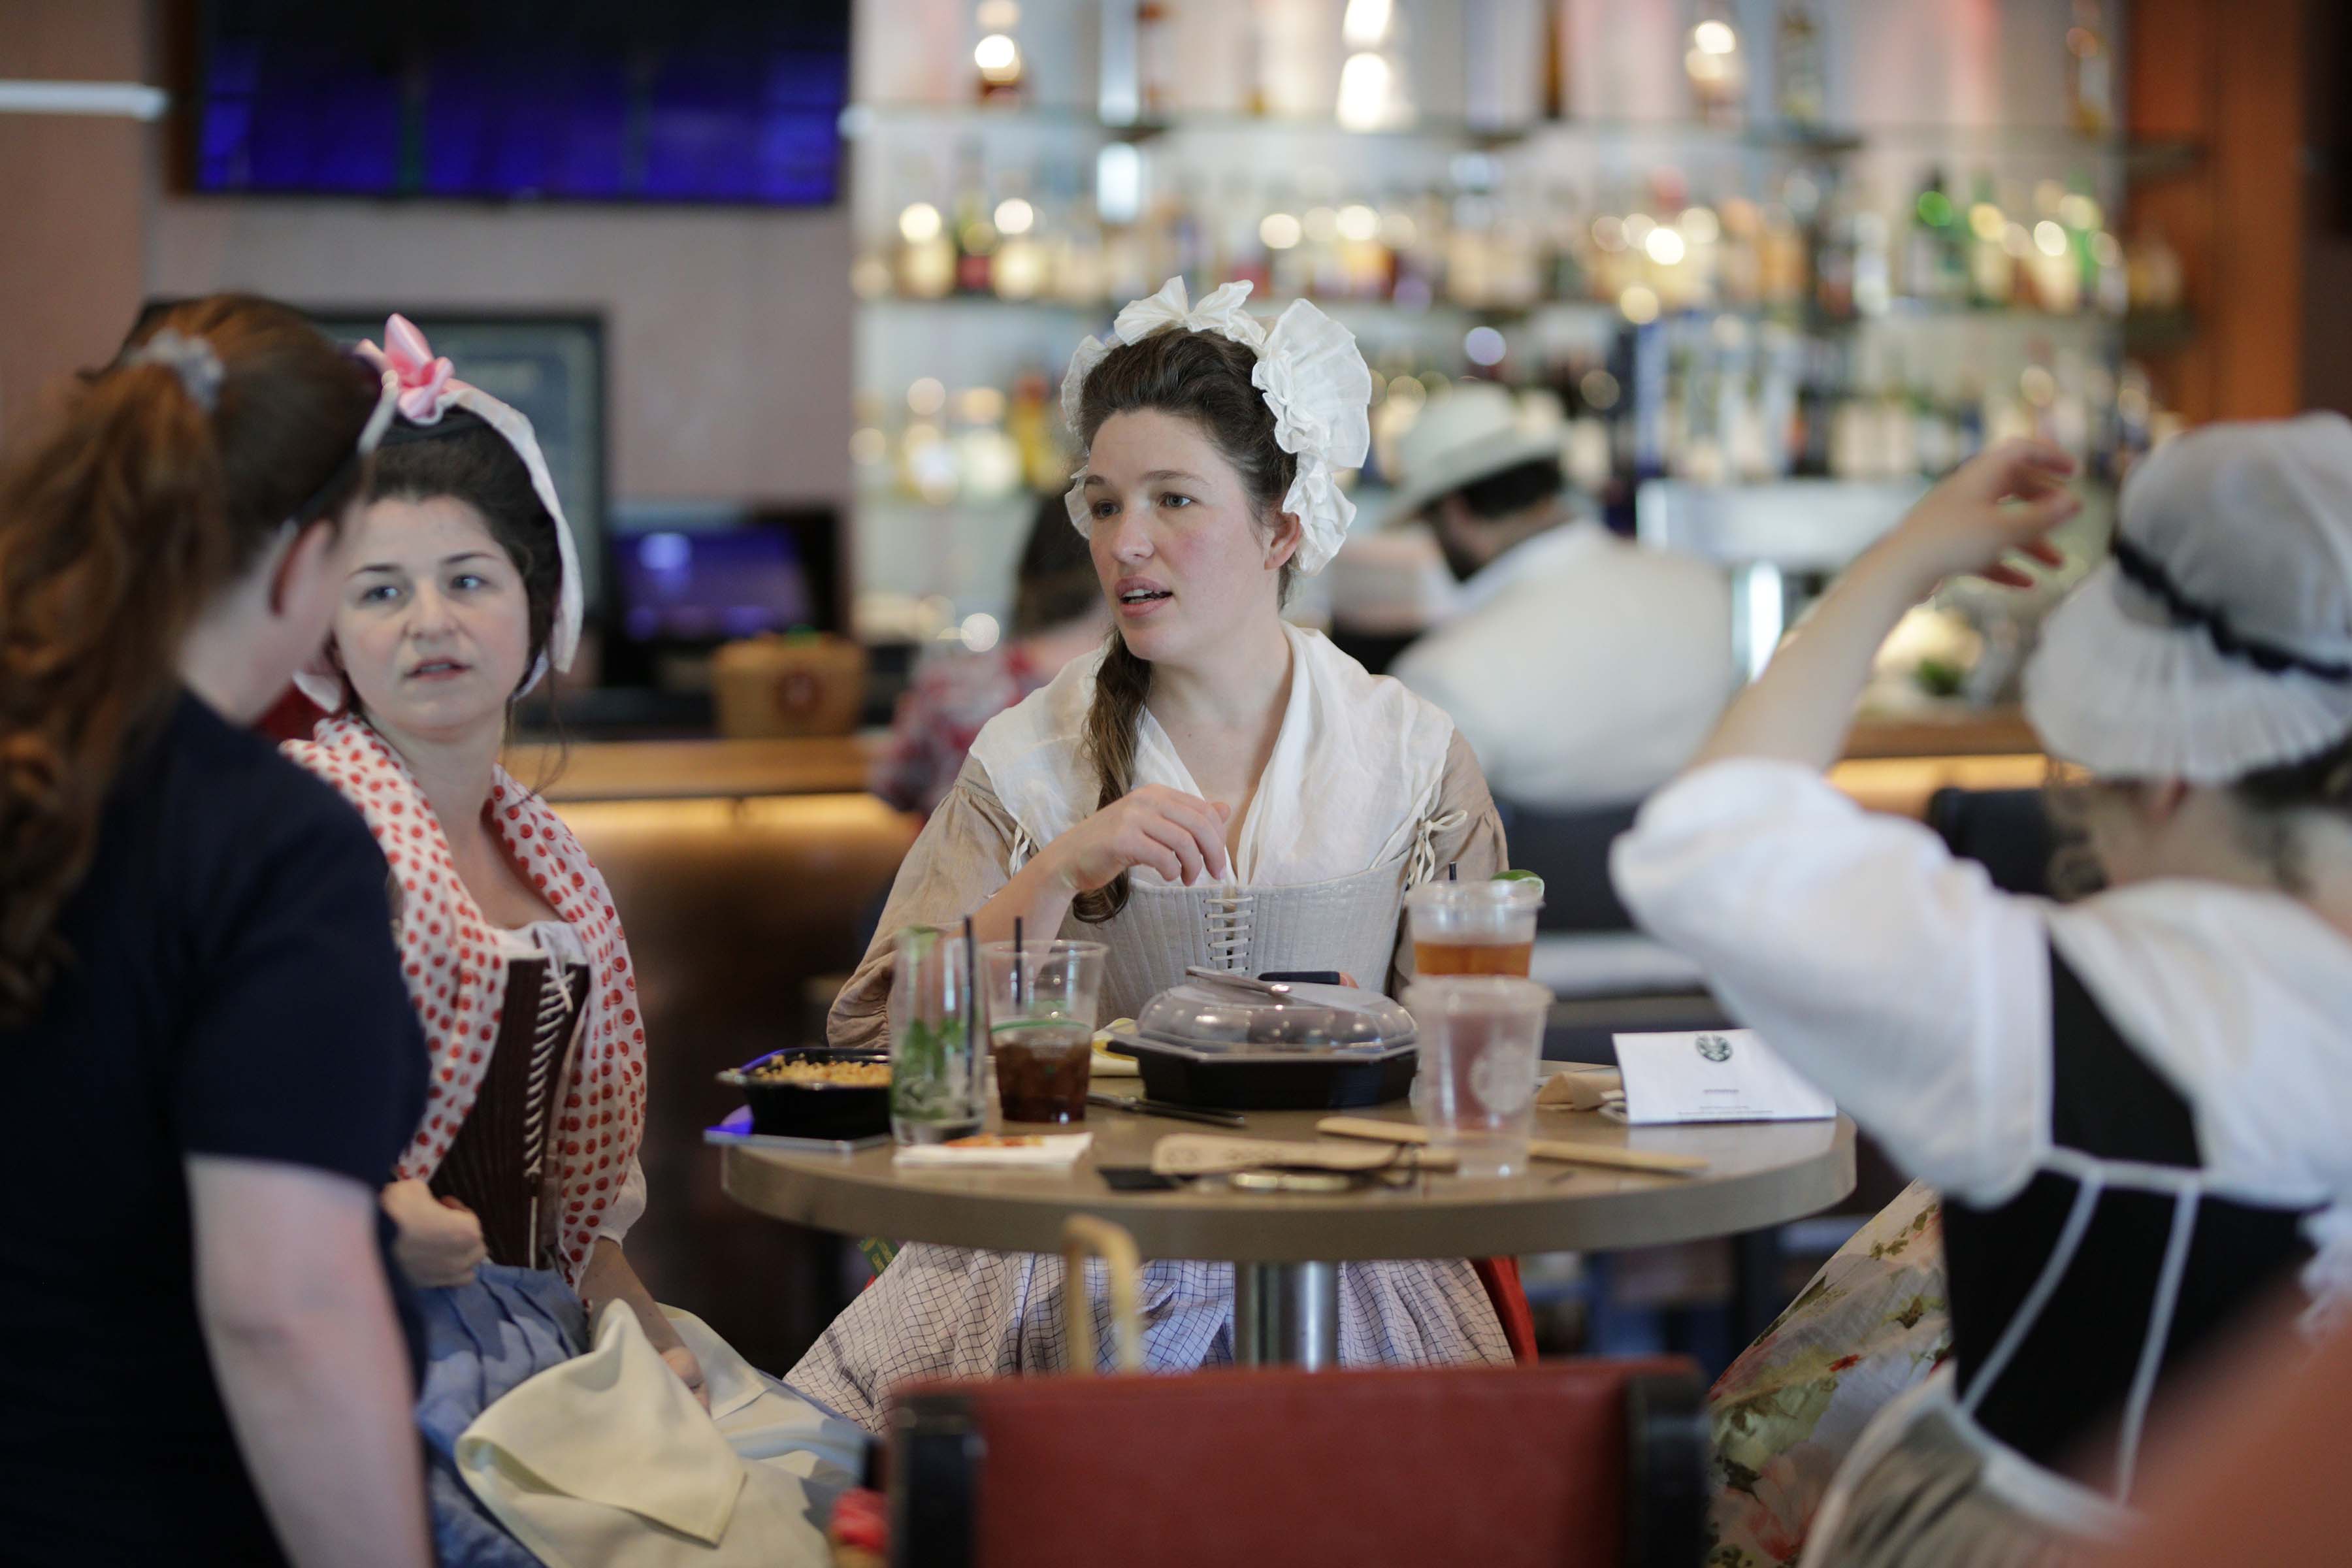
<point x="1285" y="1249"/>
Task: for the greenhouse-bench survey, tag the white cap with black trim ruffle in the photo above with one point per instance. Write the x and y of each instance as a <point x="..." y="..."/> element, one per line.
<point x="2217" y="640"/>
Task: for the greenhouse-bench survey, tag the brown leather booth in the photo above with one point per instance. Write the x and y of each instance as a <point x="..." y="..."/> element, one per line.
<point x="732" y="905"/>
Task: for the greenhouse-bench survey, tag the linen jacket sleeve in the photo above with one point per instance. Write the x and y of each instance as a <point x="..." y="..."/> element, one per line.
<point x="960" y="861"/>
<point x="1474" y="845"/>
<point x="1891" y="973"/>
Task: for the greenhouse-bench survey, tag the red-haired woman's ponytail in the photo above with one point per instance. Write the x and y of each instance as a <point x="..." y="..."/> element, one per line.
<point x="163" y="477"/>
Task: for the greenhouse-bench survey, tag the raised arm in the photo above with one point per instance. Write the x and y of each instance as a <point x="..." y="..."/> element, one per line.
<point x="1894" y="975"/>
<point x="2007" y="498"/>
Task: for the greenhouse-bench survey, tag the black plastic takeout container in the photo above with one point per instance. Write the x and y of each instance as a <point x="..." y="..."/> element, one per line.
<point x="1301" y="1047"/>
<point x="828" y="1111"/>
<point x="1228" y="1079"/>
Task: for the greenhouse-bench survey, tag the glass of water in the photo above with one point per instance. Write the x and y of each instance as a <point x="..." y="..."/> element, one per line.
<point x="935" y="1060"/>
<point x="1481" y="1041"/>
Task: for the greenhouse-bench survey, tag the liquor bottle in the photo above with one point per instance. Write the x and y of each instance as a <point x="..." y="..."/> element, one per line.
<point x="1555" y="60"/>
<point x="2056" y="277"/>
<point x="1288" y="262"/>
<point x="1366" y="265"/>
<point x="926" y="260"/>
<point x="1030" y="422"/>
<point x="1936" y="440"/>
<point x="1154" y="69"/>
<point x="1874" y="273"/>
<point x="1077" y="270"/>
<point x="1829" y="245"/>
<point x="1516" y="278"/>
<point x="1713" y="61"/>
<point x="1469" y="248"/>
<point x="1781" y="258"/>
<point x="1241" y="253"/>
<point x="1023" y="261"/>
<point x="1252" y="38"/>
<point x="1737" y="265"/>
<point x="2090" y="71"/>
<point x="975" y="230"/>
<point x="1932" y="270"/>
<point x="1414" y="229"/>
<point x="1798" y="66"/>
<point x="2080" y="215"/>
<point x="1002" y="70"/>
<point x="1992" y="271"/>
<point x="1184" y="237"/>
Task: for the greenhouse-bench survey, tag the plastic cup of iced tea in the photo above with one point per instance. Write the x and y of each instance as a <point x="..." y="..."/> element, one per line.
<point x="1475" y="928"/>
<point x="1042" y="997"/>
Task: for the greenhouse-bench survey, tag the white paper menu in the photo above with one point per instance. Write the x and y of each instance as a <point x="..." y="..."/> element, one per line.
<point x="1713" y="1075"/>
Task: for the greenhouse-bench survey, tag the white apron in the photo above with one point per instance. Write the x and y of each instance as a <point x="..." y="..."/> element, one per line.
<point x="1926" y="1486"/>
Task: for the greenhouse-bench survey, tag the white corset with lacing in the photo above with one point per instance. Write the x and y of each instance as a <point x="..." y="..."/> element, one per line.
<point x="1349" y="924"/>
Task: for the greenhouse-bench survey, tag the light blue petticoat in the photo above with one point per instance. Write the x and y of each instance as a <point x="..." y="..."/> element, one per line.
<point x="481" y="1340"/>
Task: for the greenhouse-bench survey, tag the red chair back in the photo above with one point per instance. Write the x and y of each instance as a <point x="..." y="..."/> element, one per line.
<point x="1571" y="1463"/>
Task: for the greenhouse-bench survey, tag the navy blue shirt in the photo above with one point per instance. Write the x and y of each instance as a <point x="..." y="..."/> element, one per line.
<point x="233" y="990"/>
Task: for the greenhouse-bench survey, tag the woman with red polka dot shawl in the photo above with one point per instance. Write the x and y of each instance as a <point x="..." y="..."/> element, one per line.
<point x="463" y="592"/>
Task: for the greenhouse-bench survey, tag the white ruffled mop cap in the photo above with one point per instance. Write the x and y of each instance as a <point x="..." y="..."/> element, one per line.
<point x="2219" y="639"/>
<point x="1311" y="373"/>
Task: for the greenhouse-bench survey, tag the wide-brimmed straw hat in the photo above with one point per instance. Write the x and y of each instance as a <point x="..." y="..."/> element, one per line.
<point x="1474" y="432"/>
<point x="2217" y="640"/>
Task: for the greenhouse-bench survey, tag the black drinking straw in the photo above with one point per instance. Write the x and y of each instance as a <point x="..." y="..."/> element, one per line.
<point x="971" y="984"/>
<point x="1020" y="989"/>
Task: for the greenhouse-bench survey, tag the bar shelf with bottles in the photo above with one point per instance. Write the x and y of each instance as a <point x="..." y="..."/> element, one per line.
<point x="1719" y="298"/>
<point x="1475" y="284"/>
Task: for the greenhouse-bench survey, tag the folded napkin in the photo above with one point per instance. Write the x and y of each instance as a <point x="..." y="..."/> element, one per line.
<point x="1052" y="1150"/>
<point x="1581" y="1087"/>
<point x="607" y="1460"/>
<point x="1108" y="1063"/>
<point x="1209" y="1155"/>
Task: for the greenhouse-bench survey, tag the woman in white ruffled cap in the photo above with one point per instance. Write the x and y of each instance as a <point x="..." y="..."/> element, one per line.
<point x="2139" y="1107"/>
<point x="1214" y="786"/>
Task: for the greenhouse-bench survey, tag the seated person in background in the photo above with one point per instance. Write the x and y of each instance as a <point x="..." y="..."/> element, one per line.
<point x="210" y="1066"/>
<point x="1582" y="668"/>
<point x="521" y="1185"/>
<point x="1216" y="786"/>
<point x="1057" y="614"/>
<point x="2139" y="1107"/>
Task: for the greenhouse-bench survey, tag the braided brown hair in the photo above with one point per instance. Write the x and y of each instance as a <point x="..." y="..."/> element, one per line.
<point x="119" y="525"/>
<point x="1204" y="377"/>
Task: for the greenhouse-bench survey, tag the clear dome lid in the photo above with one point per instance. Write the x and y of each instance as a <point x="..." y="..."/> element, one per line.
<point x="1204" y="1015"/>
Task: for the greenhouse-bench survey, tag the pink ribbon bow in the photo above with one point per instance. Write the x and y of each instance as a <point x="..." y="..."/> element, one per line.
<point x="423" y="377"/>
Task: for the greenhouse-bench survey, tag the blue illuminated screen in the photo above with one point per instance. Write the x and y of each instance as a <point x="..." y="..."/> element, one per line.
<point x="691" y="100"/>
<point x="677" y="586"/>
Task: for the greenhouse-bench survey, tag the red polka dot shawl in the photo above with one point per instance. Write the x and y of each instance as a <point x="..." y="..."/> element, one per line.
<point x="456" y="976"/>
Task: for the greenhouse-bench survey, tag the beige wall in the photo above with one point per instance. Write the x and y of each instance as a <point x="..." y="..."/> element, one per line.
<point x="72" y="199"/>
<point x="727" y="331"/>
